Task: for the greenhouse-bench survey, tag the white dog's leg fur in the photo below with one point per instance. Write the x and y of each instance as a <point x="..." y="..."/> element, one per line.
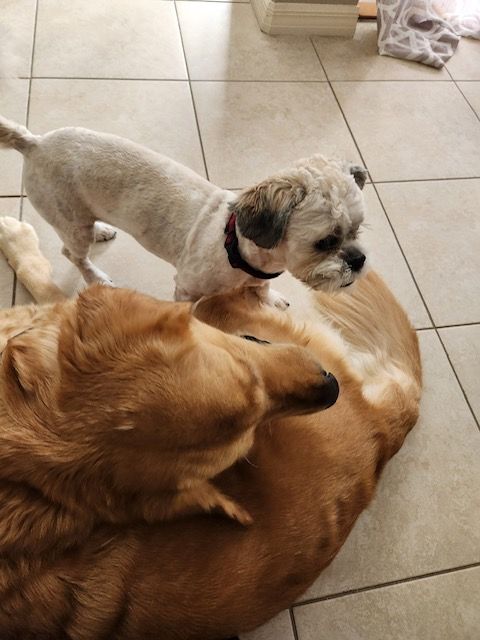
<point x="76" y="244"/>
<point x="180" y="295"/>
<point x="19" y="243"/>
<point x="103" y="232"/>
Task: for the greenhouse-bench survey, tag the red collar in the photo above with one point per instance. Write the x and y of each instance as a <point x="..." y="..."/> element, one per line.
<point x="235" y="259"/>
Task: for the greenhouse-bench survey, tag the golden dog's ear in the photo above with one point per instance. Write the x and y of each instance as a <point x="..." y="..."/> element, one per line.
<point x="20" y="368"/>
<point x="228" y="311"/>
<point x="108" y="312"/>
<point x="263" y="211"/>
<point x="28" y="367"/>
<point x="16" y="372"/>
<point x="108" y="322"/>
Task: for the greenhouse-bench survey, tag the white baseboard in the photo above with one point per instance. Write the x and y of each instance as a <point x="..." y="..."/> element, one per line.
<point x="304" y="19"/>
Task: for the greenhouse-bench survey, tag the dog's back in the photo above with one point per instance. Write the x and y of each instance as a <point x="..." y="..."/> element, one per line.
<point x="75" y="176"/>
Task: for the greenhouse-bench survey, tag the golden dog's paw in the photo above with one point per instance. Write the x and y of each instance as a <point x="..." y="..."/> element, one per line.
<point x="205" y="497"/>
<point x="16" y="236"/>
<point x="233" y="510"/>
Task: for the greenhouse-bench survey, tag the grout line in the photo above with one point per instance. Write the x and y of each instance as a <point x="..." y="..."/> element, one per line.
<point x="293" y="622"/>
<point x="27" y="116"/>
<point x="458" y="379"/>
<point x="460" y="324"/>
<point x="374" y="186"/>
<point x="391" y="583"/>
<point x="455" y="82"/>
<point x="18" y="195"/>
<point x="457" y="79"/>
<point x="426" y="180"/>
<point x="466" y="100"/>
<point x="403" y="253"/>
<point x="391" y="80"/>
<point x="119" y="79"/>
<point x="407" y="181"/>
<point x="434" y="326"/>
<point x="188" y="79"/>
<point x="221" y="80"/>
<point x="221" y="1"/>
<point x="191" y="93"/>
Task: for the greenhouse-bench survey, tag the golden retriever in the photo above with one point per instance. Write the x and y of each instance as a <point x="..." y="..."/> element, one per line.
<point x="98" y="400"/>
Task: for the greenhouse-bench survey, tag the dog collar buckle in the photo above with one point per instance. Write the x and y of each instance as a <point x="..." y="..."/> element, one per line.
<point x="233" y="252"/>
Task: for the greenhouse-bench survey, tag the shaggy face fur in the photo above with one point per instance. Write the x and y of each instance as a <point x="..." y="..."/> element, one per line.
<point x="311" y="216"/>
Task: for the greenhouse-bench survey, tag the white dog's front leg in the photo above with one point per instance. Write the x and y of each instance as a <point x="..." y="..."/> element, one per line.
<point x="91" y="274"/>
<point x="271" y="297"/>
<point x="182" y="295"/>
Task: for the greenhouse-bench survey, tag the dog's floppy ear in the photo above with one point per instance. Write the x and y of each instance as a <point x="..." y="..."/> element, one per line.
<point x="18" y="373"/>
<point x="359" y="175"/>
<point x="27" y="370"/>
<point x="263" y="211"/>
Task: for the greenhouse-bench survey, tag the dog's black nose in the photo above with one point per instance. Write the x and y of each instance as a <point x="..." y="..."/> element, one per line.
<point x="330" y="390"/>
<point x="355" y="259"/>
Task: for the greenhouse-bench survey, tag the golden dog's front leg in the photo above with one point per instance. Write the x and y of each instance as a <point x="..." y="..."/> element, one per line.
<point x="19" y="243"/>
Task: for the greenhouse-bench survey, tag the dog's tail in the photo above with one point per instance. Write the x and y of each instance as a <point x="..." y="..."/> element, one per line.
<point x="381" y="343"/>
<point x="16" y="136"/>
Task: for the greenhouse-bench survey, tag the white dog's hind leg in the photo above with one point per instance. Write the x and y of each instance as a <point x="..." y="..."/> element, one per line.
<point x="103" y="232"/>
<point x="76" y="246"/>
<point x="19" y="243"/>
<point x="180" y="295"/>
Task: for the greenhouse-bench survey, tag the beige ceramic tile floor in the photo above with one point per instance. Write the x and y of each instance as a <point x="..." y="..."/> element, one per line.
<point x="199" y="82"/>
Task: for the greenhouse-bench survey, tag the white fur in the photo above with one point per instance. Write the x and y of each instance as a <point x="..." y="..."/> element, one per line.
<point x="77" y="178"/>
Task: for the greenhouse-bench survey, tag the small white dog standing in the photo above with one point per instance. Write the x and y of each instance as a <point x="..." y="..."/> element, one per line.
<point x="305" y="219"/>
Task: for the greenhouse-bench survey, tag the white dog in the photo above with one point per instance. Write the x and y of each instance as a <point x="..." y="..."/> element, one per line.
<point x="305" y="219"/>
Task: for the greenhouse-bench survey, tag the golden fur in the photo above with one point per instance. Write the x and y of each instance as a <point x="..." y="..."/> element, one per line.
<point x="78" y="560"/>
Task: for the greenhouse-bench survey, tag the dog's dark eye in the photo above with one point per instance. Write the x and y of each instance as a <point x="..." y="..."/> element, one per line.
<point x="330" y="242"/>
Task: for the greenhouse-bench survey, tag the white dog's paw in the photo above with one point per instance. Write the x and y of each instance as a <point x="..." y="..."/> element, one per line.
<point x="273" y="298"/>
<point x="99" y="277"/>
<point x="16" y="236"/>
<point x="103" y="232"/>
<point x="106" y="282"/>
<point x="277" y="300"/>
<point x="94" y="275"/>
